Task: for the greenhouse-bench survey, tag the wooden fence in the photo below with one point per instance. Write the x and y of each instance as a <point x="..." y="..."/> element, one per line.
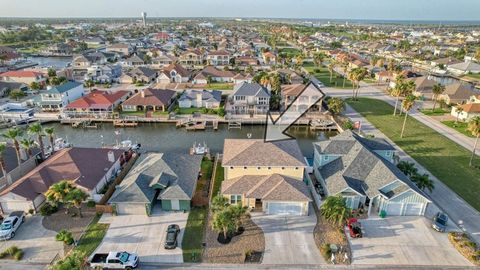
<point x="101" y="206"/>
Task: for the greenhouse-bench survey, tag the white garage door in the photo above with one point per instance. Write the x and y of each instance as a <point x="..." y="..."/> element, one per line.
<point x="285" y="208"/>
<point x="131" y="209"/>
<point x="394" y="209"/>
<point x="413" y="209"/>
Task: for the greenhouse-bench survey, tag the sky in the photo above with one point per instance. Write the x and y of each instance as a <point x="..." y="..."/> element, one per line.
<point x="442" y="10"/>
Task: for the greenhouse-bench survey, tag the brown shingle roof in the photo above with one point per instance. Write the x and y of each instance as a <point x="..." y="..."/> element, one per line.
<point x="153" y="97"/>
<point x="244" y="152"/>
<point x="85" y="166"/>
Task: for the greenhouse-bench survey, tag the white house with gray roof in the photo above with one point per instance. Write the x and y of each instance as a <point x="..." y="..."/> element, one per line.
<point x="248" y="98"/>
<point x="56" y="98"/>
<point x="158" y="180"/>
<point x="363" y="171"/>
<point x="200" y="99"/>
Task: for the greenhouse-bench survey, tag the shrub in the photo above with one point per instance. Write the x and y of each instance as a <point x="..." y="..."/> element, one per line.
<point x="18" y="255"/>
<point x="471" y="244"/>
<point x="91" y="203"/>
<point x="74" y="261"/>
<point x="48" y="209"/>
<point x="326" y="251"/>
<point x="316" y="70"/>
<point x="12" y="251"/>
<point x="348" y="125"/>
<point x="221" y="112"/>
<point x="64" y="236"/>
<point x="31" y="211"/>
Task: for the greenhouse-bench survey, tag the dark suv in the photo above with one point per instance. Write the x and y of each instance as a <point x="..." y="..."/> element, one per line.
<point x="171" y="240"/>
<point x="440" y="222"/>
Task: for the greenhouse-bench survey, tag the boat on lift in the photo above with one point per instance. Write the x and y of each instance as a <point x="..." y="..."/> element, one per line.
<point x="199" y="149"/>
<point x="128" y="145"/>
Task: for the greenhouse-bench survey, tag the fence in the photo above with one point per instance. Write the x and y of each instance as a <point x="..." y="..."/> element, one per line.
<point x="101" y="206"/>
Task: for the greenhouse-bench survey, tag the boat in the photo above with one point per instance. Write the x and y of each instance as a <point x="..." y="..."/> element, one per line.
<point x="199" y="149"/>
<point x="58" y="145"/>
<point x="128" y="145"/>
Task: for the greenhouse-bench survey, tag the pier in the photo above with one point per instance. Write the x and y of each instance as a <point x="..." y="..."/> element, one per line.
<point x="197" y="124"/>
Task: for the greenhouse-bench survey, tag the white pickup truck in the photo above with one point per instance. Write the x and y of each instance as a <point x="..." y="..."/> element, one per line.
<point x="114" y="260"/>
<point x="11" y="224"/>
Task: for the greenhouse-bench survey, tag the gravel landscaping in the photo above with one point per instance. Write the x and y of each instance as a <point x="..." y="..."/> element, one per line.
<point x="251" y="240"/>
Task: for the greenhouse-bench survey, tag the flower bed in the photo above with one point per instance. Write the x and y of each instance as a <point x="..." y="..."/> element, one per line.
<point x="465" y="246"/>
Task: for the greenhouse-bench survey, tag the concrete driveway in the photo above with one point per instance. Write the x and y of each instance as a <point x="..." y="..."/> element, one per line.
<point x="289" y="239"/>
<point x="404" y="241"/>
<point x="37" y="243"/>
<point x="144" y="235"/>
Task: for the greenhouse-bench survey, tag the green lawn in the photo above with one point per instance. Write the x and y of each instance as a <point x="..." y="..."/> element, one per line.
<point x="444" y="158"/>
<point x="218" y="179"/>
<point x="141" y="113"/>
<point x="219" y="86"/>
<point x="292" y="52"/>
<point x="188" y="110"/>
<point x="460" y="127"/>
<point x="93" y="237"/>
<point x="437" y="111"/>
<point x="473" y="76"/>
<point x="323" y="74"/>
<point x="193" y="236"/>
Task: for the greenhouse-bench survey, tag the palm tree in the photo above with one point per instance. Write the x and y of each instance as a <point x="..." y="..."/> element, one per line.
<point x="28" y="144"/>
<point x="408" y="168"/>
<point x="335" y="210"/>
<point x="51" y="134"/>
<point x="459" y="110"/>
<point x="3" y="147"/>
<point x="37" y="129"/>
<point x="398" y="91"/>
<point x="360" y="75"/>
<point x="437" y="90"/>
<point x="474" y="128"/>
<point x="57" y="193"/>
<point x="345" y="69"/>
<point x="336" y="105"/>
<point x="239" y="213"/>
<point x="219" y="203"/>
<point x="13" y="134"/>
<point x="409" y="87"/>
<point x="318" y="58"/>
<point x="331" y="68"/>
<point x="76" y="197"/>
<point x="423" y="181"/>
<point x="407" y="104"/>
<point x="90" y="84"/>
<point x="223" y="222"/>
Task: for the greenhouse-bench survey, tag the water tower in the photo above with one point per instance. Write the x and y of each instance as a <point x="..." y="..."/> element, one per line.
<point x="144" y="18"/>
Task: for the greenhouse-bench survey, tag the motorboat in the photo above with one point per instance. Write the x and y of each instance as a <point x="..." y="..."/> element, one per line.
<point x="199" y="149"/>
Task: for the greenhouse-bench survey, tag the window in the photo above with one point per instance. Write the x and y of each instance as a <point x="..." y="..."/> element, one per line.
<point x="388" y="153"/>
<point x="234" y="199"/>
<point x="325" y="158"/>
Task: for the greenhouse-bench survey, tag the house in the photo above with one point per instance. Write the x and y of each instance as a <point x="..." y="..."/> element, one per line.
<point x="240" y="78"/>
<point x="174" y="73"/>
<point x="219" y="58"/>
<point x="200" y="99"/>
<point x="22" y="76"/>
<point x="301" y="97"/>
<point x="289" y="76"/>
<point x="269" y="58"/>
<point x="158" y="180"/>
<point x="103" y="73"/>
<point x="246" y="61"/>
<point x="464" y="68"/>
<point x="456" y="93"/>
<point x="120" y="48"/>
<point x="248" y="98"/>
<point x="56" y="98"/>
<point x="97" y="102"/>
<point x="191" y="58"/>
<point x="423" y="86"/>
<point x="133" y="61"/>
<point x="89" y="168"/>
<point x="213" y="74"/>
<point x="139" y="74"/>
<point x="7" y="87"/>
<point x="469" y="110"/>
<point x="363" y="171"/>
<point x="163" y="61"/>
<point x="15" y="113"/>
<point x="149" y="100"/>
<point x="266" y="176"/>
<point x="58" y="49"/>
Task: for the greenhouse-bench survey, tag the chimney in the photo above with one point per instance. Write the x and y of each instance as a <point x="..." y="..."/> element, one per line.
<point x="142" y="93"/>
<point x="111" y="156"/>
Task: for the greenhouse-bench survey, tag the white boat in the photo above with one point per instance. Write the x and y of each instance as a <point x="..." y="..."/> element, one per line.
<point x="199" y="149"/>
<point x="58" y="145"/>
<point x="127" y="145"/>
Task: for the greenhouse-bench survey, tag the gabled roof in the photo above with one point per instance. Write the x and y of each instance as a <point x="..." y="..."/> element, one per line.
<point x="152" y="97"/>
<point x="245" y="152"/>
<point x="273" y="187"/>
<point x="63" y="87"/>
<point x="206" y="95"/>
<point x="85" y="166"/>
<point x="178" y="68"/>
<point x="214" y="72"/>
<point x="356" y="165"/>
<point x="458" y="91"/>
<point x="175" y="173"/>
<point x="250" y="89"/>
<point x="143" y="71"/>
<point x="21" y="73"/>
<point x="465" y="66"/>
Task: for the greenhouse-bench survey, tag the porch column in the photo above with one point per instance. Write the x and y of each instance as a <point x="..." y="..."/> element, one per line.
<point x="370" y="207"/>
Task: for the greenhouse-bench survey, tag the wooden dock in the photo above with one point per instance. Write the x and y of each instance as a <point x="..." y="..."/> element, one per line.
<point x="124" y="123"/>
<point x="197" y="124"/>
<point x="234" y="124"/>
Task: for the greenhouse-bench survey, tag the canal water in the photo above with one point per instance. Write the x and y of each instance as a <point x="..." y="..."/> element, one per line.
<point x="55" y="62"/>
<point x="163" y="137"/>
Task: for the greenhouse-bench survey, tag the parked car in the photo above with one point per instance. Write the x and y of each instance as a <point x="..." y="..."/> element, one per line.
<point x="114" y="260"/>
<point x="172" y="233"/>
<point x="11" y="224"/>
<point x="440" y="221"/>
<point x="355" y="228"/>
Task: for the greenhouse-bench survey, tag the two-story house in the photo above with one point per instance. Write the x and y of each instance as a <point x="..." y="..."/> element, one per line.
<point x="192" y="58"/>
<point x="248" y="98"/>
<point x="363" y="171"/>
<point x="23" y="76"/>
<point x="219" y="58"/>
<point x="301" y="97"/>
<point x="200" y="99"/>
<point x="265" y="176"/>
<point x="174" y="73"/>
<point x="58" y="97"/>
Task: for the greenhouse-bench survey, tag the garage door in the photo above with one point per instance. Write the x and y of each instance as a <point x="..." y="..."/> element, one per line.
<point x="10" y="206"/>
<point x="394" y="209"/>
<point x="285" y="208"/>
<point x="131" y="209"/>
<point x="413" y="209"/>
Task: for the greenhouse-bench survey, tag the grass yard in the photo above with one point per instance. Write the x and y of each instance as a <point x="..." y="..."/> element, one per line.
<point x="219" y="86"/>
<point x="292" y="52"/>
<point x="444" y="158"/>
<point x="323" y="75"/>
<point x="218" y="179"/>
<point x="193" y="236"/>
<point x="436" y="112"/>
<point x="93" y="237"/>
<point x="460" y="127"/>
